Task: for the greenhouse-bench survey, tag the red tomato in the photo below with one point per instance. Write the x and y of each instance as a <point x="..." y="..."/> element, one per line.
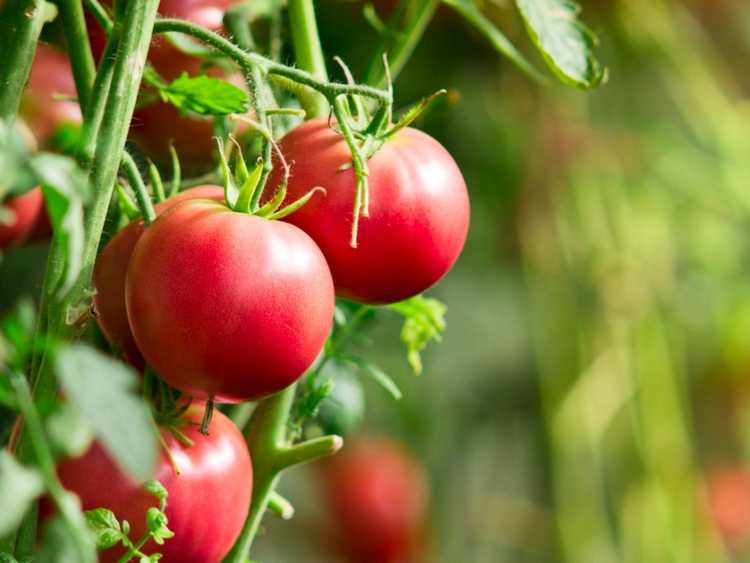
<point x="28" y="213"/>
<point x="728" y="491"/>
<point x="207" y="503"/>
<point x="50" y="76"/>
<point x="377" y="495"/>
<point x="227" y="305"/>
<point x="111" y="268"/>
<point x="419" y="211"/>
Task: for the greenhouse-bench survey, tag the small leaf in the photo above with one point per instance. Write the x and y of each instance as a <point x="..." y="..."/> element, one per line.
<point x="104" y="391"/>
<point x="205" y="95"/>
<point x="563" y="40"/>
<point x="383" y="379"/>
<point x="65" y="190"/>
<point x="155" y="488"/>
<point x="19" y="486"/>
<point x="105" y="526"/>
<point x="69" y="433"/>
<point x="424" y="320"/>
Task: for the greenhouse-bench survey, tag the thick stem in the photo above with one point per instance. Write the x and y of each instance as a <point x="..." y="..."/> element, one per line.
<point x="308" y="53"/>
<point x="399" y="44"/>
<point x="22" y="24"/>
<point x="79" y="49"/>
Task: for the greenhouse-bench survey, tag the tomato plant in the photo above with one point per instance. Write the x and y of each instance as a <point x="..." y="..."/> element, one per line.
<point x="418" y="211"/>
<point x="377" y="494"/>
<point x="226" y="305"/>
<point x="209" y="482"/>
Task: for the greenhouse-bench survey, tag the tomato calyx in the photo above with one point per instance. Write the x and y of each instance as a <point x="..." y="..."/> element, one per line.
<point x="243" y="189"/>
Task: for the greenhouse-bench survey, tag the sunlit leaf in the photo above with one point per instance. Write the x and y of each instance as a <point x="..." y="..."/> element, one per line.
<point x="205" y="95"/>
<point x="19" y="487"/>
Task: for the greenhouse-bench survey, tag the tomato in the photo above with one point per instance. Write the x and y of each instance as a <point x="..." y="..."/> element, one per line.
<point x="207" y="503"/>
<point x="28" y="213"/>
<point x="377" y="495"/>
<point x="50" y="76"/>
<point x="419" y="211"/>
<point x="111" y="268"/>
<point x="225" y="304"/>
<point x="728" y="492"/>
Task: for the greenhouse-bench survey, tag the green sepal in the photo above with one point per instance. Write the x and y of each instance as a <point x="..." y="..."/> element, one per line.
<point x="250" y="184"/>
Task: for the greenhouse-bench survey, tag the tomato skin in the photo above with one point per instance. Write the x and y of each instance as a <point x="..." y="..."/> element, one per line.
<point x="419" y="211"/>
<point x="28" y="212"/>
<point x="50" y="75"/>
<point x="111" y="268"/>
<point x="207" y="503"/>
<point x="377" y="495"/>
<point x="728" y="495"/>
<point x="226" y="304"/>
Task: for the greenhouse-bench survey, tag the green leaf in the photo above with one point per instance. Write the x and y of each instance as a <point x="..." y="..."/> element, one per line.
<point x="496" y="38"/>
<point x="564" y="41"/>
<point x="156" y="521"/>
<point x="19" y="487"/>
<point x="383" y="379"/>
<point x="104" y="390"/>
<point x="58" y="545"/>
<point x="7" y="558"/>
<point x="155" y="488"/>
<point x="205" y="95"/>
<point x="424" y="320"/>
<point x="105" y="526"/>
<point x="69" y="433"/>
<point x="65" y="191"/>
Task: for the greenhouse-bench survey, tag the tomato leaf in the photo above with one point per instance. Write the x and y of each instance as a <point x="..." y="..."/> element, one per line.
<point x="19" y="486"/>
<point x="65" y="191"/>
<point x="120" y="419"/>
<point x="69" y="433"/>
<point x="565" y="43"/>
<point x="496" y="38"/>
<point x="58" y="544"/>
<point x="103" y="523"/>
<point x="424" y="320"/>
<point x="205" y="95"/>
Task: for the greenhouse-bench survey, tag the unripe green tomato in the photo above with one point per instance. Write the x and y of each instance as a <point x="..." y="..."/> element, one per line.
<point x="343" y="410"/>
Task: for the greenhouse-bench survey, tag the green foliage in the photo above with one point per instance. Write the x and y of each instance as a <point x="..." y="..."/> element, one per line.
<point x="424" y="320"/>
<point x="342" y="411"/>
<point x="19" y="487"/>
<point x="68" y="432"/>
<point x="119" y="418"/>
<point x="109" y="531"/>
<point x="58" y="546"/>
<point x="563" y="40"/>
<point x="205" y="95"/>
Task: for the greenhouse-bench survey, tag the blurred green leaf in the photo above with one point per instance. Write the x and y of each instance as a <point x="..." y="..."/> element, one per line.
<point x="19" y="486"/>
<point x="69" y="433"/>
<point x="342" y="411"/>
<point x="563" y="40"/>
<point x="424" y="320"/>
<point x="496" y="38"/>
<point x="104" y="390"/>
<point x="205" y="95"/>
<point x="58" y="546"/>
<point x="105" y="526"/>
<point x="65" y="191"/>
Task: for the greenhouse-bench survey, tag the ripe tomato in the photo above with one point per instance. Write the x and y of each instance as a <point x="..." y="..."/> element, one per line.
<point x="377" y="495"/>
<point x="50" y="76"/>
<point x="28" y="213"/>
<point x="419" y="211"/>
<point x="111" y="268"/>
<point x="225" y="304"/>
<point x="207" y="503"/>
<point x="728" y="492"/>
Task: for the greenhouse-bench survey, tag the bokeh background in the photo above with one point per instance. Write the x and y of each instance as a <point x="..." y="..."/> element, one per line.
<point x="590" y="401"/>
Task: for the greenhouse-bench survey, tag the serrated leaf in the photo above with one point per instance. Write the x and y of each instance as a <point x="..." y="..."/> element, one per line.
<point x="565" y="43"/>
<point x="105" y="392"/>
<point x="65" y="191"/>
<point x="19" y="486"/>
<point x="424" y="320"/>
<point x="205" y="95"/>
<point x="69" y="433"/>
<point x="496" y="38"/>
<point x="103" y="523"/>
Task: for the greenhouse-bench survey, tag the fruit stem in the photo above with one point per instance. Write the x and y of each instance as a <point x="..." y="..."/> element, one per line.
<point x="308" y="53"/>
<point x="141" y="192"/>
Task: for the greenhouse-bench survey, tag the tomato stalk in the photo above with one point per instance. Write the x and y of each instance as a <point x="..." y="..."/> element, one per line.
<point x="79" y="49"/>
<point x="308" y="53"/>
<point x="23" y="21"/>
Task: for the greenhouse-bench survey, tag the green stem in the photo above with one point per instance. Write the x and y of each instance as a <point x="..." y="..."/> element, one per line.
<point x="330" y="90"/>
<point x="399" y="44"/>
<point x="79" y="49"/>
<point x="71" y="516"/>
<point x="100" y="14"/>
<point x="308" y="53"/>
<point x="22" y="24"/>
<point x="141" y="192"/>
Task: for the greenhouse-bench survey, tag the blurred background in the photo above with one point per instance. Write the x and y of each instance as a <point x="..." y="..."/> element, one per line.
<point x="590" y="401"/>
